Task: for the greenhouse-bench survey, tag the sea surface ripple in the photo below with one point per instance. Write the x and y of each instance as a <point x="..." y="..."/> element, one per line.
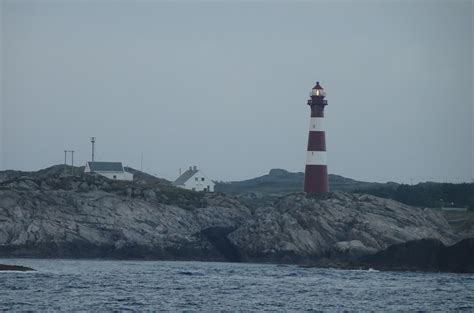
<point x="99" y="285"/>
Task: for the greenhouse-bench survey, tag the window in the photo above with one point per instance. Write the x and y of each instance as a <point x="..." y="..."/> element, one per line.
<point x="202" y="179"/>
<point x="196" y="179"/>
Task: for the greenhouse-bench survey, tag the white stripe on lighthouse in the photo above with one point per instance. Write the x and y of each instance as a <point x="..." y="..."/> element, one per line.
<point x="316" y="158"/>
<point x="316" y="124"/>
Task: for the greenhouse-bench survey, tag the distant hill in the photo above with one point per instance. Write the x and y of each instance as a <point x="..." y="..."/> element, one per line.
<point x="280" y="181"/>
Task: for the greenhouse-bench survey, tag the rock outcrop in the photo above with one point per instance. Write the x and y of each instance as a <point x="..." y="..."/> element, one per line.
<point x="17" y="268"/>
<point x="300" y="228"/>
<point x="53" y="215"/>
<point x="424" y="255"/>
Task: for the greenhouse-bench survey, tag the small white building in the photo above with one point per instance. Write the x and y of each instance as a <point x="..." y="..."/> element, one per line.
<point x="111" y="170"/>
<point x="194" y="179"/>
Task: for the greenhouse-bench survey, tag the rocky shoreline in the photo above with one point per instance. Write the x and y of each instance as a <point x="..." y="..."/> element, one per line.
<point x="424" y="255"/>
<point x="16" y="268"/>
<point x="48" y="214"/>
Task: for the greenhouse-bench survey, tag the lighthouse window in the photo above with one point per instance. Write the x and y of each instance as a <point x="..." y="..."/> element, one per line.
<point x="202" y="179"/>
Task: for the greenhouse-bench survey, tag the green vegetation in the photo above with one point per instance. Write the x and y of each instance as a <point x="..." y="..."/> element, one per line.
<point x="433" y="195"/>
<point x="181" y="197"/>
<point x="164" y="191"/>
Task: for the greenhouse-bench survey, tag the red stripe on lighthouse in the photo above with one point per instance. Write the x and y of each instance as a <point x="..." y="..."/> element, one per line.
<point x="318" y="179"/>
<point x="317" y="141"/>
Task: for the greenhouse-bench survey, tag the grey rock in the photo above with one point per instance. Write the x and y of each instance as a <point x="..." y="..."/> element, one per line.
<point x="26" y="185"/>
<point x="352" y="249"/>
<point x="84" y="187"/>
<point x="4" y="267"/>
<point x="149" y="194"/>
<point x="136" y="192"/>
<point x="301" y="227"/>
<point x="111" y="222"/>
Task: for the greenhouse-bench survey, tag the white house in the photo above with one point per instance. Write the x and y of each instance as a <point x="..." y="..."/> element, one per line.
<point x="194" y="179"/>
<point x="111" y="170"/>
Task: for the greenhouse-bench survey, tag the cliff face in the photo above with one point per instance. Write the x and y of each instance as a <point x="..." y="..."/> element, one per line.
<point x="51" y="215"/>
<point x="343" y="225"/>
<point x="91" y="222"/>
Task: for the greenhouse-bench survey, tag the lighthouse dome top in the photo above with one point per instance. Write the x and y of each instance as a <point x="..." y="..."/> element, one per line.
<point x="318" y="91"/>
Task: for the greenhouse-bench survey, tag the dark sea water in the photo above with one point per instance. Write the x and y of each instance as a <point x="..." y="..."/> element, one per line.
<point x="89" y="285"/>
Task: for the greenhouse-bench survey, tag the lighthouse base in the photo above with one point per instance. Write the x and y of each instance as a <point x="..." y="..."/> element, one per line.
<point x="316" y="179"/>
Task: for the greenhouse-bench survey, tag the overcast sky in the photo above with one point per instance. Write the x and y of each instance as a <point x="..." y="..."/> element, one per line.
<point x="224" y="86"/>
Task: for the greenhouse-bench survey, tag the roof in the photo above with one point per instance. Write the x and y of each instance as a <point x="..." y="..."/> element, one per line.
<point x="181" y="180"/>
<point x="318" y="86"/>
<point x="105" y="166"/>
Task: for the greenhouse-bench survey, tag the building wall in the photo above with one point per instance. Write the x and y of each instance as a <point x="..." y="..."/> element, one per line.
<point x="117" y="175"/>
<point x="199" y="182"/>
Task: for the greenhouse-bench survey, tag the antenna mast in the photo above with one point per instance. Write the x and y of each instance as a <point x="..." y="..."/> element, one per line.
<point x="93" y="147"/>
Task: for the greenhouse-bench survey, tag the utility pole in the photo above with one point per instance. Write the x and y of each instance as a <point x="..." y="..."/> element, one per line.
<point x="72" y="162"/>
<point x="65" y="160"/>
<point x="141" y="163"/>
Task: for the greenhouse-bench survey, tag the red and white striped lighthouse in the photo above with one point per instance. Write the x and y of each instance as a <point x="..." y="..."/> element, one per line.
<point x="316" y="171"/>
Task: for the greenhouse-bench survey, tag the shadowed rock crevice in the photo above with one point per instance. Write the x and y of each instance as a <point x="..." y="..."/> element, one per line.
<point x="217" y="236"/>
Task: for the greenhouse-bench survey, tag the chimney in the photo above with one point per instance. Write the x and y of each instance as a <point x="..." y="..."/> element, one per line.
<point x="190" y="168"/>
<point x="195" y="168"/>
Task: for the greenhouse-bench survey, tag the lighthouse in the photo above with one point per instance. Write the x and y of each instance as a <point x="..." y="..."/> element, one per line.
<point x="316" y="171"/>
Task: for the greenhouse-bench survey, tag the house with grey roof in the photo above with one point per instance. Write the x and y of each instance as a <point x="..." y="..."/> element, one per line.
<point x="194" y="179"/>
<point x="111" y="170"/>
